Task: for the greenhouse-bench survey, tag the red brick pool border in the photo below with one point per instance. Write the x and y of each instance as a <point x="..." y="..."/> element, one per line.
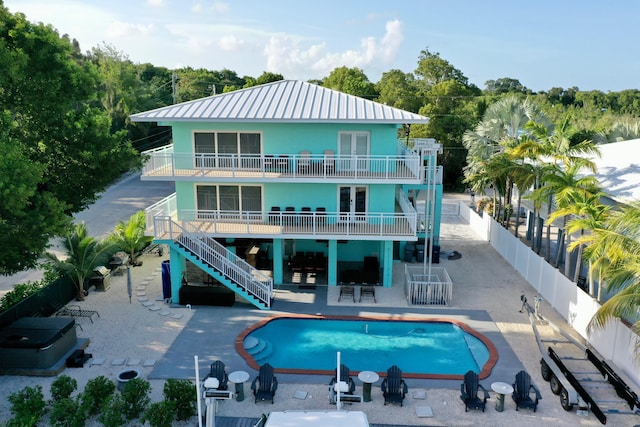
<point x="484" y="373"/>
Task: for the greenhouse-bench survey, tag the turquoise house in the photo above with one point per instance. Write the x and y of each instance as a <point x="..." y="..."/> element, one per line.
<point x="290" y="183"/>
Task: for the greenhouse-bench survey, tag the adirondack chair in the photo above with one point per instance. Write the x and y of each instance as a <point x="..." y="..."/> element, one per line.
<point x="264" y="386"/>
<point x="522" y="391"/>
<point x="469" y="391"/>
<point x="346" y="386"/>
<point x="218" y="371"/>
<point x="393" y="386"/>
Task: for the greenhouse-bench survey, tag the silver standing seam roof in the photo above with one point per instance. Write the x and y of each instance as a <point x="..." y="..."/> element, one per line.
<point x="282" y="101"/>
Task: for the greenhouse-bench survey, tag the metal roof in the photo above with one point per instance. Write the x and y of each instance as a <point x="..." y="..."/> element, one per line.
<point x="282" y="101"/>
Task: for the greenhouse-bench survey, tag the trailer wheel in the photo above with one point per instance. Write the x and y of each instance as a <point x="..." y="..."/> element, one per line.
<point x="555" y="385"/>
<point x="564" y="400"/>
<point x="545" y="371"/>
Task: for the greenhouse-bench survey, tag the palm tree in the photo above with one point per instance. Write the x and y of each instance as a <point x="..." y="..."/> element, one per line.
<point x="617" y="243"/>
<point x="503" y="128"/>
<point x="562" y="162"/>
<point x="130" y="236"/>
<point x="83" y="255"/>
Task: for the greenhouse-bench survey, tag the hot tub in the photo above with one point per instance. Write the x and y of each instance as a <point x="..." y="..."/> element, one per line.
<point x="36" y="342"/>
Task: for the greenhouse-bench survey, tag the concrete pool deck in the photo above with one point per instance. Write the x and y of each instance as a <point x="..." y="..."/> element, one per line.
<point x="486" y="296"/>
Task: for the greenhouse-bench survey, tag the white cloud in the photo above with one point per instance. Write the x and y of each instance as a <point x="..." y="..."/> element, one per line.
<point x="285" y="55"/>
<point x="230" y="43"/>
<point x="220" y="7"/>
<point x="156" y="3"/>
<point x="119" y="29"/>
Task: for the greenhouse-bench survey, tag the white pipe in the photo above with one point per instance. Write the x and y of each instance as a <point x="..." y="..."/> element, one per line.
<point x="337" y="384"/>
<point x="195" y="360"/>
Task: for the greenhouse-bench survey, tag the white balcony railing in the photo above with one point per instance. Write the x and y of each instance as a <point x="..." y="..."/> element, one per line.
<point x="166" y="163"/>
<point x="285" y="223"/>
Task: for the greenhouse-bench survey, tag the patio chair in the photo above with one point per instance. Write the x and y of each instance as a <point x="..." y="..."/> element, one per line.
<point x="264" y="386"/>
<point x="347" y="291"/>
<point x="367" y="292"/>
<point x="274" y="215"/>
<point x="393" y="386"/>
<point x="523" y="389"/>
<point x="219" y="372"/>
<point x="346" y="386"/>
<point x="329" y="162"/>
<point x="304" y="162"/>
<point x="469" y="390"/>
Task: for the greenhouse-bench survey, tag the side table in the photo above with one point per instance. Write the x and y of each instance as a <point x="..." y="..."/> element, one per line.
<point x="367" y="378"/>
<point x="501" y="389"/>
<point x="239" y="378"/>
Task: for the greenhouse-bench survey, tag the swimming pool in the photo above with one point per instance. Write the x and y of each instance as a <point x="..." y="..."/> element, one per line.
<point x="424" y="348"/>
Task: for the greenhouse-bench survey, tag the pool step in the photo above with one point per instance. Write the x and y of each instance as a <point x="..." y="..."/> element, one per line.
<point x="259" y="349"/>
<point x="264" y="354"/>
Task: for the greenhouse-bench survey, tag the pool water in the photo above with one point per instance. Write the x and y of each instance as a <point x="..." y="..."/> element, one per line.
<point x="438" y="348"/>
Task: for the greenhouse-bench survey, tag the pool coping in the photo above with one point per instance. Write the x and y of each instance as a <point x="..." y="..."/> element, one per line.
<point x="483" y="374"/>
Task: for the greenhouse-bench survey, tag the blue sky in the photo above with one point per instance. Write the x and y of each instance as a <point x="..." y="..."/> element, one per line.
<point x="591" y="44"/>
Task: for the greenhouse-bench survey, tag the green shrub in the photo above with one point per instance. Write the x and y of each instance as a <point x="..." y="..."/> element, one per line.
<point x="62" y="387"/>
<point x="112" y="414"/>
<point x="68" y="412"/>
<point x="183" y="394"/>
<point x="135" y="394"/>
<point x="96" y="393"/>
<point x="160" y="414"/>
<point x="27" y="406"/>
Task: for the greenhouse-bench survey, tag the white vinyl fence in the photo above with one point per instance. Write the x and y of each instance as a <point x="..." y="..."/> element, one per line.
<point x="615" y="342"/>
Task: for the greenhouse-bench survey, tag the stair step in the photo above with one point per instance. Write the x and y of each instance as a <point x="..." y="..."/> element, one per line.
<point x="264" y="354"/>
<point x="261" y="345"/>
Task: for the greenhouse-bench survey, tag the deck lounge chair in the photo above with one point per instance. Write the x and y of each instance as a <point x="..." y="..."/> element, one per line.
<point x="218" y="371"/>
<point x="469" y="391"/>
<point x="264" y="386"/>
<point x="393" y="386"/>
<point x="346" y="386"/>
<point x="522" y="391"/>
<point x="347" y="291"/>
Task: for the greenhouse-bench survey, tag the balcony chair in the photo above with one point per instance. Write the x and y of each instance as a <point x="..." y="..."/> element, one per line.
<point x="329" y="162"/>
<point x="269" y="163"/>
<point x="346" y="386"/>
<point x="304" y="162"/>
<point x="523" y="388"/>
<point x="291" y="218"/>
<point x="469" y="390"/>
<point x="306" y="216"/>
<point x="393" y="386"/>
<point x="282" y="163"/>
<point x="321" y="216"/>
<point x="274" y="215"/>
<point x="264" y="386"/>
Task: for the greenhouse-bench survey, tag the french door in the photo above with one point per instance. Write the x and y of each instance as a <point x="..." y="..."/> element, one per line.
<point x="353" y="150"/>
<point x="353" y="203"/>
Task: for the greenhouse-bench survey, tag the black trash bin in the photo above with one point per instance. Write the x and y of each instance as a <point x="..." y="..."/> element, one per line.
<point x="409" y="250"/>
<point x="101" y="278"/>
<point x="436" y="254"/>
<point x="166" y="280"/>
<point x="420" y="253"/>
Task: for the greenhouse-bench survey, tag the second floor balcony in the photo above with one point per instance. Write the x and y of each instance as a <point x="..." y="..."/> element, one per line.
<point x="318" y="224"/>
<point x="164" y="163"/>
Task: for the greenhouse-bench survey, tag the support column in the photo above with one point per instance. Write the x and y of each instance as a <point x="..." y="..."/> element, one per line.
<point x="278" y="261"/>
<point x="177" y="266"/>
<point x="387" y="263"/>
<point x="332" y="268"/>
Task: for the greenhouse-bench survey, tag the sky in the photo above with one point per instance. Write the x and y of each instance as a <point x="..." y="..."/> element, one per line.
<point x="589" y="44"/>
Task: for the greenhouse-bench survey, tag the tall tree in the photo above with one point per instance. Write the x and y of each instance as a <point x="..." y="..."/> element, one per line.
<point x="398" y="89"/>
<point x="352" y="81"/>
<point x="46" y="90"/>
<point x="448" y="100"/>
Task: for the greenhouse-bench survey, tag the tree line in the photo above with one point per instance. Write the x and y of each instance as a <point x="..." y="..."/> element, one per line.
<point x="65" y="132"/>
